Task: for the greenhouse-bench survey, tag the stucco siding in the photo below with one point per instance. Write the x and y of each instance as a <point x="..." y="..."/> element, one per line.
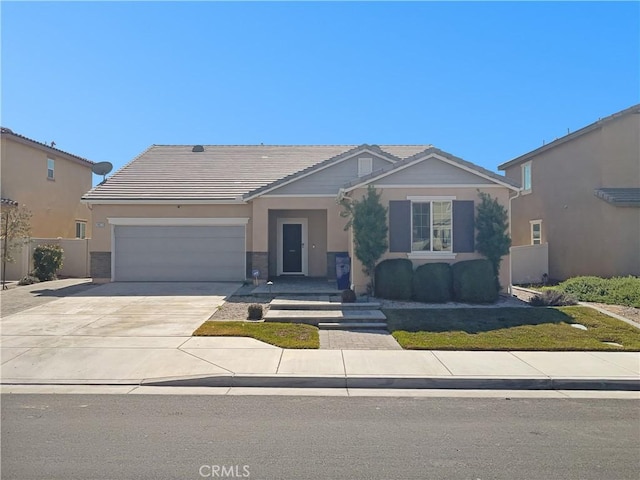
<point x="54" y="203"/>
<point x="586" y="235"/>
<point x="329" y="180"/>
<point x="432" y="172"/>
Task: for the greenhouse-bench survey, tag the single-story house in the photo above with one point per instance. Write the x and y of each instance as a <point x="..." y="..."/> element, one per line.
<point x="226" y="213"/>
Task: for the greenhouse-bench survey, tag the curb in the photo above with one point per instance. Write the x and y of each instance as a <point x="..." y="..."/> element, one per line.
<point x="460" y="383"/>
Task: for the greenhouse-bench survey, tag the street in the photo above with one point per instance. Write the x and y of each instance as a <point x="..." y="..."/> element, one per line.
<point x="193" y="437"/>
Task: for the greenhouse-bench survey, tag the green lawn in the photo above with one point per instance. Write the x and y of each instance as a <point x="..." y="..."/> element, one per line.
<point x="285" y="335"/>
<point x="510" y="329"/>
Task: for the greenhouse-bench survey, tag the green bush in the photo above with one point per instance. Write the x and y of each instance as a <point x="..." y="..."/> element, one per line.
<point x="255" y="311"/>
<point x="553" y="298"/>
<point x="393" y="279"/>
<point x="432" y="283"/>
<point x="474" y="281"/>
<point x="47" y="260"/>
<point x="614" y="291"/>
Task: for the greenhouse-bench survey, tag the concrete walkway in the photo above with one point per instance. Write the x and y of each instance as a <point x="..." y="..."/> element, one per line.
<point x="139" y="334"/>
<point x="358" y="340"/>
<point x="19" y="298"/>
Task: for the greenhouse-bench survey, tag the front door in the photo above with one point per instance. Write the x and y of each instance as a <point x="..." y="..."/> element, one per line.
<point x="292" y="248"/>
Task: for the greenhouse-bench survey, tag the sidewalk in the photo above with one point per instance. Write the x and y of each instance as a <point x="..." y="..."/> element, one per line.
<point x="245" y="362"/>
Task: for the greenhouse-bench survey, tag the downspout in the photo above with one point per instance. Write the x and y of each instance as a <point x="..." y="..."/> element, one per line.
<point x="510" y="236"/>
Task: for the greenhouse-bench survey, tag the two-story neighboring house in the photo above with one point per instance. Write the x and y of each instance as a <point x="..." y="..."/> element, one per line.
<point x="49" y="182"/>
<point x="581" y="196"/>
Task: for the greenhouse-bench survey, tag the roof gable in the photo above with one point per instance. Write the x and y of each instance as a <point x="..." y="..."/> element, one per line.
<point x="471" y="170"/>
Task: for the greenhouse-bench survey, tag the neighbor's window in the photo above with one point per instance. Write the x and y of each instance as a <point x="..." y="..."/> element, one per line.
<point x="51" y="164"/>
<point x="365" y="166"/>
<point x="81" y="229"/>
<point x="526" y="177"/>
<point x="431" y="226"/>
<point x="536" y="232"/>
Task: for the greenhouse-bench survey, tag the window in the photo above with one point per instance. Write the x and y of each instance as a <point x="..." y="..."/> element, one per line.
<point x="536" y="232"/>
<point x="526" y="177"/>
<point x="432" y="222"/>
<point x="365" y="166"/>
<point x="81" y="229"/>
<point x="51" y="168"/>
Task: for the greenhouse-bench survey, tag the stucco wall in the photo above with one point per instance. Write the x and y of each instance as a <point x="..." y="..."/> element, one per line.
<point x="360" y="280"/>
<point x="55" y="204"/>
<point x="586" y="235"/>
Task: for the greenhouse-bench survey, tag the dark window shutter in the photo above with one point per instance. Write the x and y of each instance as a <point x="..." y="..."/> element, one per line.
<point x="463" y="226"/>
<point x="400" y="226"/>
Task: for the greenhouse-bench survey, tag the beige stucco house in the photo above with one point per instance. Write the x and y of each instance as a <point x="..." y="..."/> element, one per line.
<point x="205" y="213"/>
<point x="581" y="196"/>
<point x="47" y="181"/>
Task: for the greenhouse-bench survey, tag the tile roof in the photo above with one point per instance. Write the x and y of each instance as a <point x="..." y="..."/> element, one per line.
<point x="620" y="197"/>
<point x="220" y="172"/>
<point x="633" y="110"/>
<point x="8" y="201"/>
<point x="429" y="151"/>
<point x="7" y="131"/>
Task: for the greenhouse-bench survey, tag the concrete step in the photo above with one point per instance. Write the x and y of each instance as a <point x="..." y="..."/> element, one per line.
<point x="352" y="325"/>
<point x="319" y="304"/>
<point x="313" y="317"/>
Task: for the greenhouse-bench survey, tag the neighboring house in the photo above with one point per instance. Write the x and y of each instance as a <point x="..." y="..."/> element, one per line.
<point x="47" y="181"/>
<point x="581" y="196"/>
<point x="205" y="213"/>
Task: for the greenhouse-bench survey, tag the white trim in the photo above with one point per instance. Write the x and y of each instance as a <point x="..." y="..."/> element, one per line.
<point x="365" y="162"/>
<point x="304" y="252"/>
<point x="113" y="253"/>
<point x="434" y="198"/>
<point x="316" y="170"/>
<point x="162" y="202"/>
<point x="177" y="222"/>
<point x="429" y="156"/>
<point x="531" y="224"/>
<point x="526" y="191"/>
<point x="445" y="185"/>
<point x="431" y="255"/>
<point x="296" y="195"/>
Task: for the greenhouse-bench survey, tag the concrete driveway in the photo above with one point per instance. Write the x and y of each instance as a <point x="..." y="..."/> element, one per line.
<point x="122" y="310"/>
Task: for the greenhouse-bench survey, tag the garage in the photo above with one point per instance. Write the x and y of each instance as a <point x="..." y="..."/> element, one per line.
<point x="179" y="253"/>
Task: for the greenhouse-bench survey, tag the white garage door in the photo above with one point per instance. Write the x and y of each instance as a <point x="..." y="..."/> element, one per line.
<point x="179" y="253"/>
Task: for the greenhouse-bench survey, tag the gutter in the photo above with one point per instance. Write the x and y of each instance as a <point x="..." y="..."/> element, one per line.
<point x="510" y="236"/>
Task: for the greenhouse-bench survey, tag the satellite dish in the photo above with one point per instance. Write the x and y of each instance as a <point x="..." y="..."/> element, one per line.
<point x="102" y="168"/>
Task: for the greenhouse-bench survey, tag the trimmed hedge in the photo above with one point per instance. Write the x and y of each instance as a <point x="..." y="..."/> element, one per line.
<point x="47" y="260"/>
<point x="394" y="279"/>
<point x="615" y="291"/>
<point x="474" y="282"/>
<point x="432" y="283"/>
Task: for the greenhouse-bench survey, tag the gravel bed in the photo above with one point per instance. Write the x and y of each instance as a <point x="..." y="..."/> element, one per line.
<point x="235" y="307"/>
<point x="630" y="313"/>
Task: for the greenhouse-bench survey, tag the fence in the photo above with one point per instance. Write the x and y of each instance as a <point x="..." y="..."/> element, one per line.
<point x="75" y="262"/>
<point x="529" y="263"/>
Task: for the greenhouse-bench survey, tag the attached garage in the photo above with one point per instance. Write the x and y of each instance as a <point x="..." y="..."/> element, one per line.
<point x="178" y="250"/>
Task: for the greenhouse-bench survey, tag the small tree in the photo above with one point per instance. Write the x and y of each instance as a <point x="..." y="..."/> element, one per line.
<point x="15" y="228"/>
<point x="492" y="239"/>
<point x="368" y="218"/>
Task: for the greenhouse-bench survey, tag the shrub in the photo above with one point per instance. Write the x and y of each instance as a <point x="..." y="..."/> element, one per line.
<point x="255" y="311"/>
<point x="552" y="298"/>
<point x="474" y="281"/>
<point x="616" y="290"/>
<point x="28" y="280"/>
<point x="432" y="283"/>
<point x="393" y="279"/>
<point x="47" y="260"/>
<point x="348" y="296"/>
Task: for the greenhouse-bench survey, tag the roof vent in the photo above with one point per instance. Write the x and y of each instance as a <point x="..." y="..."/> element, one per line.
<point x="197" y="148"/>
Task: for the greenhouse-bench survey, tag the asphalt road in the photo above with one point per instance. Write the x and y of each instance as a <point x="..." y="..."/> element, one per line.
<point x="194" y="437"/>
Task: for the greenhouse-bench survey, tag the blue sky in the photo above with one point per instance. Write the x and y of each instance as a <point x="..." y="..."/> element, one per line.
<point x="483" y="81"/>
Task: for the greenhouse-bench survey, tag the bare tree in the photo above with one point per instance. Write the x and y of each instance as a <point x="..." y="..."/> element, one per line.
<point x="15" y="228"/>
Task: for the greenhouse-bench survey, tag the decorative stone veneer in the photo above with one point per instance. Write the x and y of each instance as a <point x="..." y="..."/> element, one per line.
<point x="258" y="261"/>
<point x="100" y="264"/>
